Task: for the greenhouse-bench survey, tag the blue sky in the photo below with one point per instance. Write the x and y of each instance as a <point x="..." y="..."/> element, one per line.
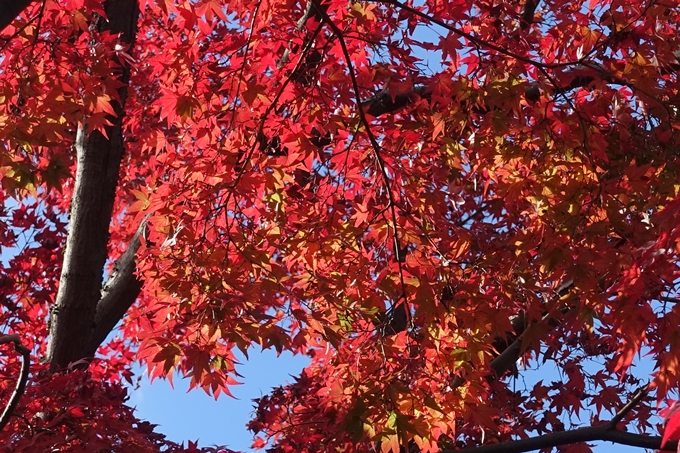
<point x="194" y="415"/>
<point x="183" y="416"/>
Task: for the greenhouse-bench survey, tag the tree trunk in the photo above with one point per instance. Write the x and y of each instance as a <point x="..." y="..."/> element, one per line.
<point x="72" y="320"/>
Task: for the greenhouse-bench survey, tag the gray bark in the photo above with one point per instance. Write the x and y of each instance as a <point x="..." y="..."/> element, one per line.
<point x="73" y="317"/>
<point x="119" y="292"/>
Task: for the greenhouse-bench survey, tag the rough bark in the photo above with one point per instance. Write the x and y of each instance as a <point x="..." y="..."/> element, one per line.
<point x="119" y="293"/>
<point x="72" y="321"/>
<point x="10" y="9"/>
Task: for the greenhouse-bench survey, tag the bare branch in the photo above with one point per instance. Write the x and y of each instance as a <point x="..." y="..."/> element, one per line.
<point x="641" y="393"/>
<point x="604" y="432"/>
<point x="9" y="338"/>
<point x="674" y="300"/>
<point x="23" y="377"/>
<point x="589" y="434"/>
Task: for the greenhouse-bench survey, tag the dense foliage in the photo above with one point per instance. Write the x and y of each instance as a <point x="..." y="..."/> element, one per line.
<point x="432" y="200"/>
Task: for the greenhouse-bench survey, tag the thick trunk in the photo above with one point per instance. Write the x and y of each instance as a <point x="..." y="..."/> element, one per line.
<point x="72" y="321"/>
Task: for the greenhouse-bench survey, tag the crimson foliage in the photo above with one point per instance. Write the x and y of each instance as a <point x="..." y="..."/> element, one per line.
<point x="427" y="198"/>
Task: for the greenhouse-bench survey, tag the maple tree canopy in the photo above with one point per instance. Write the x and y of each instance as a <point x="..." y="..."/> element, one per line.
<point x="467" y="214"/>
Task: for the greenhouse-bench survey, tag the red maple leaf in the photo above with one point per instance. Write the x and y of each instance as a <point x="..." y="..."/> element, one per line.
<point x="672" y="423"/>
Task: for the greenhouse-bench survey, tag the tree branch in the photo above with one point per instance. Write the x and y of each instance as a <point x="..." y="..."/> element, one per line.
<point x="508" y="356"/>
<point x="605" y="432"/>
<point x="589" y="434"/>
<point x="463" y="34"/>
<point x="119" y="292"/>
<point x="528" y="14"/>
<point x="72" y="319"/>
<point x="674" y="300"/>
<point x="580" y="76"/>
<point x="641" y="393"/>
<point x="23" y="377"/>
<point x="310" y="11"/>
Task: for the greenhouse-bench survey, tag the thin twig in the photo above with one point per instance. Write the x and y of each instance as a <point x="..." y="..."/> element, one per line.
<point x="376" y="150"/>
<point x="641" y="393"/>
<point x="472" y="38"/>
<point x="674" y="300"/>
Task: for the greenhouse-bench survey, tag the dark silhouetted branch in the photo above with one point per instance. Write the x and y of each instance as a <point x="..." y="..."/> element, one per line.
<point x="528" y="14"/>
<point x="590" y="434"/>
<point x="23" y="377"/>
<point x="579" y="77"/>
<point x="10" y="9"/>
<point x="604" y="432"/>
<point x="674" y="300"/>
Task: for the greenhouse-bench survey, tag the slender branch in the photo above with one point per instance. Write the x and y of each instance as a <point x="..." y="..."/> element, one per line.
<point x="23" y="377"/>
<point x="641" y="393"/>
<point x="589" y="434"/>
<point x="400" y="310"/>
<point x="309" y="9"/>
<point x="473" y="39"/>
<point x="581" y="74"/>
<point x="245" y="55"/>
<point x="674" y="300"/>
<point x="270" y="108"/>
<point x="604" y="432"/>
<point x="21" y="29"/>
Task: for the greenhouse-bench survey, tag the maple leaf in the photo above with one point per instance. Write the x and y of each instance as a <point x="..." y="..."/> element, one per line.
<point x="671" y="417"/>
<point x="421" y="196"/>
<point x="252" y="92"/>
